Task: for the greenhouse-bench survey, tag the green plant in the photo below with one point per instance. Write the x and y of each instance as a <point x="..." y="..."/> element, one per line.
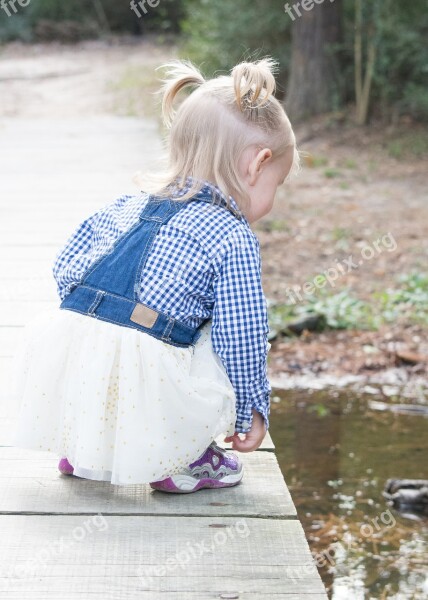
<point x="340" y="233"/>
<point x="332" y="173"/>
<point x="350" y="163"/>
<point x="410" y="301"/>
<point x="279" y="315"/>
<point x="408" y="144"/>
<point x="337" y="311"/>
<point x="341" y="310"/>
<point x="407" y="301"/>
<point x="320" y="409"/>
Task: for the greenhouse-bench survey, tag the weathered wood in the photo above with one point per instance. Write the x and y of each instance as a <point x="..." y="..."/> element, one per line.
<point x="13" y="314"/>
<point x="10" y="338"/>
<point x="17" y="288"/>
<point x="31" y="483"/>
<point x="25" y="269"/>
<point x="5" y="371"/>
<point x="20" y="253"/>
<point x="118" y="557"/>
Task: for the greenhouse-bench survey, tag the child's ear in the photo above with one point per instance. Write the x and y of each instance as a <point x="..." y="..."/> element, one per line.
<point x="256" y="166"/>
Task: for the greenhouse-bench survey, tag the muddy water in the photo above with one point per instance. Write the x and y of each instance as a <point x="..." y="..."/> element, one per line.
<point x="336" y="454"/>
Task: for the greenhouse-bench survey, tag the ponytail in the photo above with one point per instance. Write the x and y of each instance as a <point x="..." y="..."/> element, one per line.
<point x="179" y="75"/>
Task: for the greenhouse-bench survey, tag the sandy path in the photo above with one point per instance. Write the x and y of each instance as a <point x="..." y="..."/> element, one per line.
<point x="65" y="81"/>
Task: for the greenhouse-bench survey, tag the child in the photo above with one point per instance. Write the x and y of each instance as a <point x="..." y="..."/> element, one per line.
<point x="160" y="344"/>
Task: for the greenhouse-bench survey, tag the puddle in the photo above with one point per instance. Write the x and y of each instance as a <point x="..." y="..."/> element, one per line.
<point x="336" y="451"/>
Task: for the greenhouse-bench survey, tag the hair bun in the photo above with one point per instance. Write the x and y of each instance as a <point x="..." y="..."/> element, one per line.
<point x="254" y="82"/>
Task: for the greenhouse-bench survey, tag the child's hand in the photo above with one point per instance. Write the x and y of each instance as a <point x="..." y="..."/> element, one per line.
<point x="253" y="438"/>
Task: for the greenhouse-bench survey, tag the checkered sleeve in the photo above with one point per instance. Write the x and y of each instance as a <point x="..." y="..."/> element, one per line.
<point x="76" y="247"/>
<point x="240" y="326"/>
<point x="90" y="239"/>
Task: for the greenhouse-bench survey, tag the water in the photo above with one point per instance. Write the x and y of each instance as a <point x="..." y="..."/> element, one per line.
<point x="336" y="454"/>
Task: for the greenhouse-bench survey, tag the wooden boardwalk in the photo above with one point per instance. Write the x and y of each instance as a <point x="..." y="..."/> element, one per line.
<point x="67" y="538"/>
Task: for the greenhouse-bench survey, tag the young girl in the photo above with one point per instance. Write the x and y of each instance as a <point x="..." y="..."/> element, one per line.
<point x="160" y="343"/>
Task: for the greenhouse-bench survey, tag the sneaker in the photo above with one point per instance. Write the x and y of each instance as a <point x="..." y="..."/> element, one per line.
<point x="65" y="467"/>
<point x="216" y="468"/>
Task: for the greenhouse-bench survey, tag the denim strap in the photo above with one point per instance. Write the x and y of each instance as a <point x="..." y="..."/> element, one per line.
<point x="109" y="289"/>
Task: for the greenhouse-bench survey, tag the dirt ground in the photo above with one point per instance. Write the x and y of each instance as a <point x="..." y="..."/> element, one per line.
<point x="360" y="199"/>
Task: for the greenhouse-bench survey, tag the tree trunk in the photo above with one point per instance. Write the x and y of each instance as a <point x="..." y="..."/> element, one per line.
<point x="313" y="75"/>
<point x="363" y="81"/>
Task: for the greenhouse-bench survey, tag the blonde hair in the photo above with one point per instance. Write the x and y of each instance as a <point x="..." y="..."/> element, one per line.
<point x="216" y="123"/>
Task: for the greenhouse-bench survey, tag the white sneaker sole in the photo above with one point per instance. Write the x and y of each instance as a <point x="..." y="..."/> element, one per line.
<point x="187" y="483"/>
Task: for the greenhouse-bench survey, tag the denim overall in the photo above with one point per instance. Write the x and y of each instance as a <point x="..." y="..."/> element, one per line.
<point x="109" y="290"/>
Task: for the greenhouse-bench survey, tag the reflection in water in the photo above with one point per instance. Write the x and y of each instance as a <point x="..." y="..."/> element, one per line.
<point x="336" y="455"/>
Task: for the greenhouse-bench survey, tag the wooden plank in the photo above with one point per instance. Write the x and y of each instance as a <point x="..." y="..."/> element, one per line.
<point x="25" y="297"/>
<point x="10" y="338"/>
<point x="57" y="236"/>
<point x="6" y="364"/>
<point x="71" y="593"/>
<point x="151" y="557"/>
<point x="31" y="483"/>
<point x="23" y="269"/>
<point x="7" y="424"/>
<point x="43" y="254"/>
<point x="16" y="314"/>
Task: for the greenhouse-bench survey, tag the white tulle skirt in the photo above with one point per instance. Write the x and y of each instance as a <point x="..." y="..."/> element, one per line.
<point x="120" y="404"/>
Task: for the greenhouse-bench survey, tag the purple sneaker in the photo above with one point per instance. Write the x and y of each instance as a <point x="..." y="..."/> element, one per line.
<point x="216" y="468"/>
<point x="65" y="467"/>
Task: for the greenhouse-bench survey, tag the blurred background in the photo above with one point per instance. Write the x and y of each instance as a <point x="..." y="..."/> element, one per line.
<point x="344" y="250"/>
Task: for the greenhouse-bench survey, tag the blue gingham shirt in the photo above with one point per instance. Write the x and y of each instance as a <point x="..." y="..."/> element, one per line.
<point x="204" y="263"/>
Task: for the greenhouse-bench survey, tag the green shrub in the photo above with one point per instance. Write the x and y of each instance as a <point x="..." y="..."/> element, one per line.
<point x="89" y="18"/>
<point x="219" y="34"/>
<point x="409" y="301"/>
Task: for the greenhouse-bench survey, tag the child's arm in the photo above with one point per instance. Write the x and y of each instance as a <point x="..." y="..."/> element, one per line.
<point x="239" y="331"/>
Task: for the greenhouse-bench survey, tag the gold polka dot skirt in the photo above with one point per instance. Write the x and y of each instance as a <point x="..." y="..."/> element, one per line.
<point x="120" y="404"/>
